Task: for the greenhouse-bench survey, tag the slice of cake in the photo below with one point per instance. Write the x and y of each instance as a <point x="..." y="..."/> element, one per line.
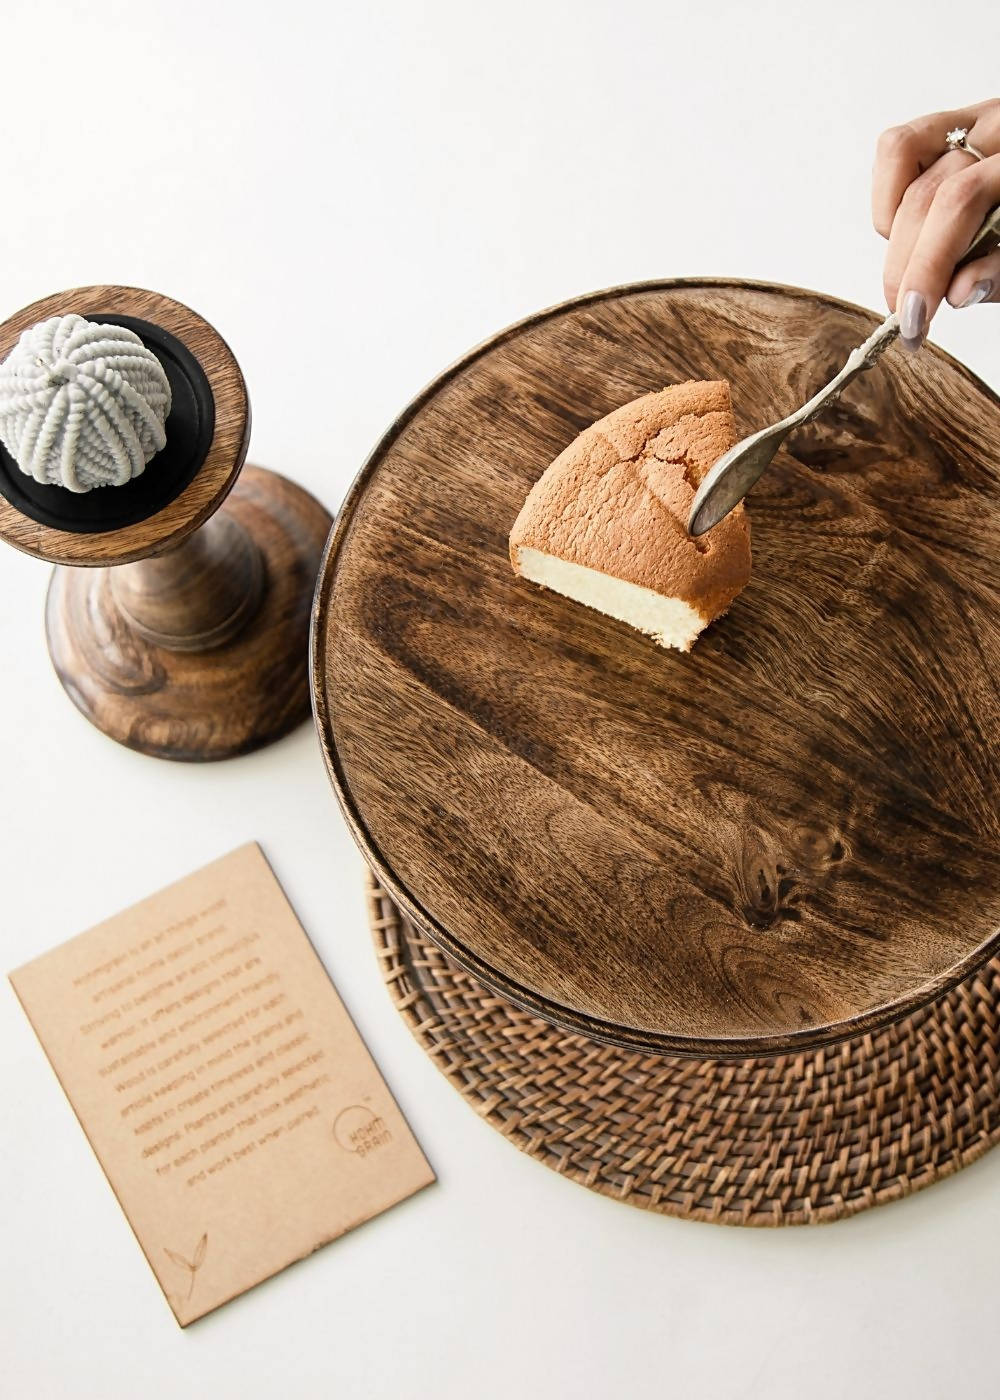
<point x="605" y="524"/>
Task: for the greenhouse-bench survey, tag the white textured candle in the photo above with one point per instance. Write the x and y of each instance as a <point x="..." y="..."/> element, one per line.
<point x="82" y="404"/>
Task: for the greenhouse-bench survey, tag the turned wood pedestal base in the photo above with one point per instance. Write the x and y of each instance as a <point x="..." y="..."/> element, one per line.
<point x="200" y="653"/>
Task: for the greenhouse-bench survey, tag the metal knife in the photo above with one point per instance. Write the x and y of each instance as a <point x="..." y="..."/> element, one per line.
<point x="731" y="478"/>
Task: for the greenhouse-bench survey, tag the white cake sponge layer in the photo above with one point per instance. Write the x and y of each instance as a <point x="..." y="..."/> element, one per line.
<point x="669" y="621"/>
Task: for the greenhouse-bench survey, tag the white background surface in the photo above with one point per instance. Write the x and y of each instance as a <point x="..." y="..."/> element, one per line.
<point x="355" y="194"/>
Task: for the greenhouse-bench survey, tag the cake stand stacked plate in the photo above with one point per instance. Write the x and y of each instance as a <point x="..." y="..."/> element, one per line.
<point x="789" y="838"/>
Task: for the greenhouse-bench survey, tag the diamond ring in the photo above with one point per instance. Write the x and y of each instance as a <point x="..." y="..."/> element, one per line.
<point x="958" y="140"/>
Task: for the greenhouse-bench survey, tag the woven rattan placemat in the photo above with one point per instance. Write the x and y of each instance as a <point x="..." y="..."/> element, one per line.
<point x="792" y="1140"/>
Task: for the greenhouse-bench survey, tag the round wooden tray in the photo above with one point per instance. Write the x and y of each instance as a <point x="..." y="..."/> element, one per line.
<point x="787" y="837"/>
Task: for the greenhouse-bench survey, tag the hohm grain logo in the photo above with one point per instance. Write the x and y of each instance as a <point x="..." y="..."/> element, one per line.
<point x="359" y="1130"/>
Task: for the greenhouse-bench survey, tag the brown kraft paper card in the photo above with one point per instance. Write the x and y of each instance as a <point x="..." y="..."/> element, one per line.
<point x="228" y="1096"/>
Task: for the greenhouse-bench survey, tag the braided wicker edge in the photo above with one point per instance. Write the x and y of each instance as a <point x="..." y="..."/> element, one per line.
<point x="394" y="939"/>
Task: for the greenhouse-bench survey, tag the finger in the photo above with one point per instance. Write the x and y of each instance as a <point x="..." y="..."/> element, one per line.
<point x="977" y="281"/>
<point x="984" y="133"/>
<point x="903" y="153"/>
<point x="913" y="210"/>
<point x="958" y="208"/>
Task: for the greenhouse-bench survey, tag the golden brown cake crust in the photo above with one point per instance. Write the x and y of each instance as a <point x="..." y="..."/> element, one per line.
<point x="617" y="499"/>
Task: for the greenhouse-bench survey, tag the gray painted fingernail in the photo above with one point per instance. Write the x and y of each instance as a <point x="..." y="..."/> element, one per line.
<point x="979" y="293"/>
<point x="911" y="321"/>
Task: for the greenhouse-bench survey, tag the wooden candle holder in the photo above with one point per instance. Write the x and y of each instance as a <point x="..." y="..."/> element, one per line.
<point x="178" y="614"/>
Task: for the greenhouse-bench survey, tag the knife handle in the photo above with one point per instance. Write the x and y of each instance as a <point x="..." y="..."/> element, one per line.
<point x="985" y="240"/>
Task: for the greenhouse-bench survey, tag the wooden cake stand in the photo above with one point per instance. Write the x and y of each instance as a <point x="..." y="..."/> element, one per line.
<point x="788" y="837"/>
<point x="178" y="617"/>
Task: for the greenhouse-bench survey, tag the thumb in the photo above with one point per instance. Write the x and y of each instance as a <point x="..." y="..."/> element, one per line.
<point x="977" y="281"/>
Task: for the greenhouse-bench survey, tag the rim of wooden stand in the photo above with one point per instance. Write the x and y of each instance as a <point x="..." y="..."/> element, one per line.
<point x="213" y="480"/>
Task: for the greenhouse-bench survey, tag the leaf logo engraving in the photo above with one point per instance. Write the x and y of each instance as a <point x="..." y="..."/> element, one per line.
<point x="193" y="1264"/>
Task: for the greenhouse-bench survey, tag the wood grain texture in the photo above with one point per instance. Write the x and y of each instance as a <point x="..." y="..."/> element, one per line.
<point x="199" y="595"/>
<point x="214" y="479"/>
<point x="236" y="682"/>
<point x="788" y="836"/>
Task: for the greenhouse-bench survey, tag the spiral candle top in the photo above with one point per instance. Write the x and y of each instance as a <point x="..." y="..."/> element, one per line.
<point x="82" y="404"/>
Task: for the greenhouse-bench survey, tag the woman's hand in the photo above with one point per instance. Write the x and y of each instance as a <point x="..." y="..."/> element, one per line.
<point x="929" y="202"/>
